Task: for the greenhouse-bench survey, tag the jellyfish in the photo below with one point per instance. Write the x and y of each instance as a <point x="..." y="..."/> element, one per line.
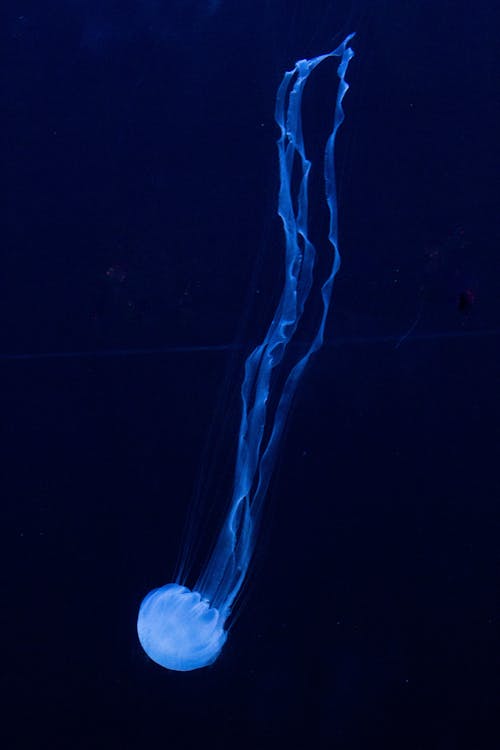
<point x="183" y="628"/>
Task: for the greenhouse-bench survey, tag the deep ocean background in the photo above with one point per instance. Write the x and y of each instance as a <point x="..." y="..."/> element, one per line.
<point x="139" y="233"/>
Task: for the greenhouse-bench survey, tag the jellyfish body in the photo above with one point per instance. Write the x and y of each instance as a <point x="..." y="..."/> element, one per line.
<point x="184" y="629"/>
<point x="180" y="630"/>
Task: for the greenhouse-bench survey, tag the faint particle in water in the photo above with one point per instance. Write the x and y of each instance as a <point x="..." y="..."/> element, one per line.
<point x="116" y="274"/>
<point x="465" y="301"/>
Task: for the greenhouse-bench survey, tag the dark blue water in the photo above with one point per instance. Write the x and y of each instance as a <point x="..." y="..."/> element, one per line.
<point x="141" y="259"/>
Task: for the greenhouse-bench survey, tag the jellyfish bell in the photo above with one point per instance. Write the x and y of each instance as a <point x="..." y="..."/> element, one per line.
<point x="179" y="630"/>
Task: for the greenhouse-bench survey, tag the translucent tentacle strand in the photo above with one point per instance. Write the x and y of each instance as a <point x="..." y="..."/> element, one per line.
<point x="180" y="628"/>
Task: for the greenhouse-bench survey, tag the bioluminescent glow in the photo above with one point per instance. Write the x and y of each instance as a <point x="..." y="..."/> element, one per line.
<point x="184" y="629"/>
